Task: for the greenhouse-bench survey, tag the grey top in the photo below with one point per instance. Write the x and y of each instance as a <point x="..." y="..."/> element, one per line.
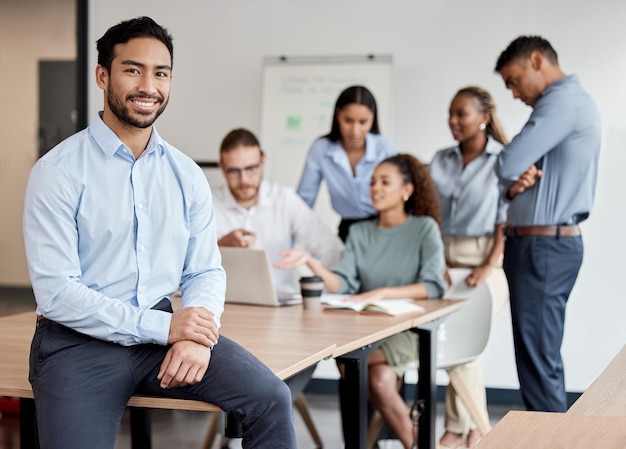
<point x="471" y="199"/>
<point x="562" y="137"/>
<point x="392" y="257"/>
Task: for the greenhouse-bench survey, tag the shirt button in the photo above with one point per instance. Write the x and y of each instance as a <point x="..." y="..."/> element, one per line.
<point x="142" y="289"/>
<point x="140" y="205"/>
<point x="142" y="248"/>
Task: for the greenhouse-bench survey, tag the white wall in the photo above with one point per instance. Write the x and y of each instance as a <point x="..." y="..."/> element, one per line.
<point x="30" y="30"/>
<point x="438" y="46"/>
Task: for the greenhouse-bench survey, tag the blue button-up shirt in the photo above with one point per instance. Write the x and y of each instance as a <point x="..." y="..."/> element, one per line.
<point x="471" y="200"/>
<point x="349" y="194"/>
<point x="107" y="236"/>
<point x="562" y="137"/>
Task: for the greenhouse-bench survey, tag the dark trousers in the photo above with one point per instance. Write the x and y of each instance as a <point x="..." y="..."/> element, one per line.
<point x="82" y="384"/>
<point x="541" y="272"/>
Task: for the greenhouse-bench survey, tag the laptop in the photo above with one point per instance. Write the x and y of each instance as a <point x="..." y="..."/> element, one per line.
<point x="249" y="279"/>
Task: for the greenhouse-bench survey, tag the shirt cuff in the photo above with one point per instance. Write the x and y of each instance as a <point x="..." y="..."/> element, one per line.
<point x="154" y="326"/>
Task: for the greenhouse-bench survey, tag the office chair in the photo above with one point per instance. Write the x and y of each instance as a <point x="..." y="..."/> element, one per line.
<point x="461" y="338"/>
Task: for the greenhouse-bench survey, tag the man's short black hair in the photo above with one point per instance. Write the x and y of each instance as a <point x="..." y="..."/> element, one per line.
<point x="127" y="30"/>
<point x="522" y="47"/>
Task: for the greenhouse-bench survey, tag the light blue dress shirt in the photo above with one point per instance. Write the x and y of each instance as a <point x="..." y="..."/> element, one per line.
<point x="470" y="199"/>
<point x="107" y="236"/>
<point x="563" y="138"/>
<point x="349" y="194"/>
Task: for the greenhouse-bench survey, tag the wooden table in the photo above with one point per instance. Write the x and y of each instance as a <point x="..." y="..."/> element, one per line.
<point x="539" y="430"/>
<point x="596" y="420"/>
<point x="355" y="336"/>
<point x="279" y="353"/>
<point x="607" y="394"/>
<point x="287" y="340"/>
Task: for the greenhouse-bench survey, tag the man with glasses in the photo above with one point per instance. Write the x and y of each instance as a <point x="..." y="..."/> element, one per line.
<point x="255" y="213"/>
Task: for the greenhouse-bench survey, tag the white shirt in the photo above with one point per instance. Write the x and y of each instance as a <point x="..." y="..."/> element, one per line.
<point x="281" y="220"/>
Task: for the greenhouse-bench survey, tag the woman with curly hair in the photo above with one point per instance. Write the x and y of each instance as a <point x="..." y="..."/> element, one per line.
<point x="398" y="254"/>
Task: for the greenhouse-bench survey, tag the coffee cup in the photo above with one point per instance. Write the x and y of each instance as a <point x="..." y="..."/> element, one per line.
<point x="311" y="288"/>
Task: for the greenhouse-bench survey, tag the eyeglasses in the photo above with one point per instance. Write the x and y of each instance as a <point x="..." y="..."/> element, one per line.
<point x="236" y="172"/>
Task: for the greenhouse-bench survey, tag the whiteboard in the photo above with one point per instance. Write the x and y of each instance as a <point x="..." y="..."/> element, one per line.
<point x="298" y="99"/>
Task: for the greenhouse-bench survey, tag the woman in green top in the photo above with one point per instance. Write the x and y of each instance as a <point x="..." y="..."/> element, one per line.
<point x="399" y="254"/>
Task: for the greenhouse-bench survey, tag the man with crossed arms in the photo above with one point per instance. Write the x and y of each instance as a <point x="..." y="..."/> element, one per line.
<point x="549" y="171"/>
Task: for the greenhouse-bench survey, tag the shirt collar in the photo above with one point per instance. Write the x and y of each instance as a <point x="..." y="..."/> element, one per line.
<point x="335" y="151"/>
<point x="263" y="199"/>
<point x="567" y="79"/>
<point x="109" y="143"/>
<point x="493" y="147"/>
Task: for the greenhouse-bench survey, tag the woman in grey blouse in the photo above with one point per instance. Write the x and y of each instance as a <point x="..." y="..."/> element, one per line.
<point x="473" y="214"/>
<point x="399" y="254"/>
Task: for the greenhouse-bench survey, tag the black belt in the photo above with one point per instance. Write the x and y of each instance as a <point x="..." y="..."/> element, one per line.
<point x="542" y="231"/>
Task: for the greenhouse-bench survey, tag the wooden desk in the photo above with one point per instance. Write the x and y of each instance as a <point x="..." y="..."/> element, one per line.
<point x="607" y="394"/>
<point x="285" y="354"/>
<point x="287" y="340"/>
<point x="355" y="337"/>
<point x="538" y="430"/>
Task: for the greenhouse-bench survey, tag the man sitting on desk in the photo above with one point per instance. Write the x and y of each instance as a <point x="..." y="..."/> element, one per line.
<point x="255" y="213"/>
<point x="115" y="221"/>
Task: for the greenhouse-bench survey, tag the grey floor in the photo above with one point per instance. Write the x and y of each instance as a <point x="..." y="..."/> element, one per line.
<point x="187" y="430"/>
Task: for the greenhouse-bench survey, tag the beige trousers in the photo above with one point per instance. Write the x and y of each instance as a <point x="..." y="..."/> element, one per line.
<point x="471" y="252"/>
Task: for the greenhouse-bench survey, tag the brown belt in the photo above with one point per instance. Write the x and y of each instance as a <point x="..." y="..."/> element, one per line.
<point x="542" y="231"/>
<point x="39" y="318"/>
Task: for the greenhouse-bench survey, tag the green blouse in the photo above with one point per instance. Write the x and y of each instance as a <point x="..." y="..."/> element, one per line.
<point x="392" y="257"/>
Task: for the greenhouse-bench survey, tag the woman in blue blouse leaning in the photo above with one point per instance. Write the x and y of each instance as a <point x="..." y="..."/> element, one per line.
<point x="473" y="214"/>
<point x="346" y="157"/>
<point x="399" y="254"/>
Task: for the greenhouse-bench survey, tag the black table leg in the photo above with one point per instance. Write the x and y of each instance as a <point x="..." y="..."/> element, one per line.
<point x="29" y="438"/>
<point x="426" y="385"/>
<point x="353" y="397"/>
<point x="140" y="428"/>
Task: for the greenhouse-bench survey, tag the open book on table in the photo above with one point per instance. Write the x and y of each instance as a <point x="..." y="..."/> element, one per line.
<point x="381" y="306"/>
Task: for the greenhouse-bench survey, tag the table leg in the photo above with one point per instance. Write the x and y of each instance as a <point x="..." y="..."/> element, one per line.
<point x="140" y="428"/>
<point x="29" y="439"/>
<point x="426" y="386"/>
<point x="232" y="428"/>
<point x="353" y="403"/>
<point x="353" y="397"/>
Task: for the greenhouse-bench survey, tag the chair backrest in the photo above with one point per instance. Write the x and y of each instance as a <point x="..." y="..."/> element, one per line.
<point x="463" y="335"/>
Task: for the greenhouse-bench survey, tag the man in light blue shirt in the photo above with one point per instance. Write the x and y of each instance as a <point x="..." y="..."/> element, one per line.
<point x="549" y="171"/>
<point x="115" y="221"/>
